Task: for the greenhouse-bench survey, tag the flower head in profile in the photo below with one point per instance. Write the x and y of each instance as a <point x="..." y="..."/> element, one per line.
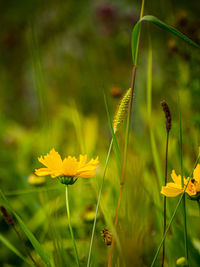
<point x="175" y="188"/>
<point x="69" y="168"/>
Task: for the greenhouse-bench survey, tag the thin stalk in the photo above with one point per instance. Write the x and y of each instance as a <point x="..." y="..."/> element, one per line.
<point x="9" y="220"/>
<point x="126" y="139"/>
<point x="182" y="181"/>
<point x="70" y="226"/>
<point x="173" y="215"/>
<point x="165" y="202"/>
<point x="98" y="202"/>
<point x="124" y="162"/>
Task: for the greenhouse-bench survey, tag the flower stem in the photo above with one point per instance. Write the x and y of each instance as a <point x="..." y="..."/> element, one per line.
<point x="70" y="226"/>
<point x="182" y="181"/>
<point x="165" y="202"/>
<point x="185" y="229"/>
<point x="98" y="202"/>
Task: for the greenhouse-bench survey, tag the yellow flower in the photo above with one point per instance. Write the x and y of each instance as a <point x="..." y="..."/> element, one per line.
<point x="35" y="180"/>
<point x="175" y="188"/>
<point x="69" y="167"/>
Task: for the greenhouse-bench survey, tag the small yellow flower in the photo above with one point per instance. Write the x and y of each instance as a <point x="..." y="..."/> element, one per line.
<point x="69" y="167"/>
<point x="174" y="189"/>
<point x="182" y="262"/>
<point x="35" y="180"/>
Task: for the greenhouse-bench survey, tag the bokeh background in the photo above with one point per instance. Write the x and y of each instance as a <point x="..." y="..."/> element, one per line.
<point x="57" y="59"/>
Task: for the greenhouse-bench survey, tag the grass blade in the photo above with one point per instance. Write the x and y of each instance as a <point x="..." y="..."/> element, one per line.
<point x="27" y="232"/>
<point x="160" y="24"/>
<point x="14" y="250"/>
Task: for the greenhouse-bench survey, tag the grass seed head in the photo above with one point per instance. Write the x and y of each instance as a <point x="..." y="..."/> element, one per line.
<point x="167" y="115"/>
<point x="121" y="110"/>
<point x="7" y="217"/>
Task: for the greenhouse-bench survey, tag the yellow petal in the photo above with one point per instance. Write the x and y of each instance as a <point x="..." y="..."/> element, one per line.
<point x="94" y="161"/>
<point x="196" y="173"/>
<point x="51" y="160"/>
<point x="83" y="159"/>
<point x="87" y="168"/>
<point x="171" y="190"/>
<point x="86" y="174"/>
<point x="46" y="171"/>
<point x="42" y="172"/>
<point x="90" y="166"/>
<point x="176" y="178"/>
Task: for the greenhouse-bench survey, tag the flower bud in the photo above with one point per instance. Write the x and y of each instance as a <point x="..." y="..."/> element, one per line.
<point x="167" y="115"/>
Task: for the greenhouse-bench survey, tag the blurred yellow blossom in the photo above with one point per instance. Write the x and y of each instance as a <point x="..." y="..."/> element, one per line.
<point x="35" y="180"/>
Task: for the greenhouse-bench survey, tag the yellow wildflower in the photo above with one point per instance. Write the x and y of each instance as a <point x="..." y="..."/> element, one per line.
<point x="35" y="180"/>
<point x="175" y="188"/>
<point x="69" y="167"/>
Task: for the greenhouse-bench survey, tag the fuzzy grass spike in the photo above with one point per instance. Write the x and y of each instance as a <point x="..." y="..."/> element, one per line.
<point x="121" y="110"/>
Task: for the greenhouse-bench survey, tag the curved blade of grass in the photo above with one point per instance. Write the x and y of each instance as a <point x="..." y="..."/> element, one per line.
<point x="149" y="80"/>
<point x="14" y="250"/>
<point x="173" y="215"/>
<point x="160" y="24"/>
<point x="27" y="232"/>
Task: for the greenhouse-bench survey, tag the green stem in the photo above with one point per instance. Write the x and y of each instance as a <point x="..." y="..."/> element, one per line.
<point x="70" y="226"/>
<point x="98" y="202"/>
<point x="165" y="200"/>
<point x="182" y="181"/>
<point x="185" y="229"/>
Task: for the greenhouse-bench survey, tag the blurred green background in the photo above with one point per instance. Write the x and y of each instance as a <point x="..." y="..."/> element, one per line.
<point x="57" y="58"/>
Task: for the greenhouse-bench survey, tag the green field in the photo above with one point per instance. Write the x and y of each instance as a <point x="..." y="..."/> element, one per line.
<point x="65" y="72"/>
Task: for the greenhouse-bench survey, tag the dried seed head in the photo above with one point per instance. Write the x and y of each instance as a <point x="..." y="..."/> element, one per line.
<point x="121" y="110"/>
<point x="107" y="236"/>
<point x="7" y="217"/>
<point x="167" y="115"/>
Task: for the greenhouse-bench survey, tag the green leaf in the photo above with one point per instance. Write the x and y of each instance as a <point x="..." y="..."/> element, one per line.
<point x="160" y="24"/>
<point x="27" y="232"/>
